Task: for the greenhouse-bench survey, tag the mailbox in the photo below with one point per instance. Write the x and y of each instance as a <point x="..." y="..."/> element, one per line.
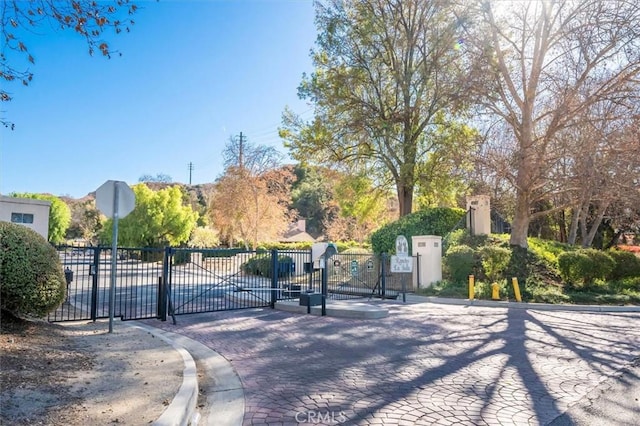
<point x="68" y="275"/>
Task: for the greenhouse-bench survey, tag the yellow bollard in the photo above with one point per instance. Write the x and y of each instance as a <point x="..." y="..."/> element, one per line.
<point x="516" y="289"/>
<point x="472" y="290"/>
<point x="495" y="291"/>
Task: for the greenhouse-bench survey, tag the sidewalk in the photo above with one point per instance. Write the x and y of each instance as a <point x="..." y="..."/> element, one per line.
<point x="145" y="375"/>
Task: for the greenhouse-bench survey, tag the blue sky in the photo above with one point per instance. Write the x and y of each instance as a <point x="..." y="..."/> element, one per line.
<point x="192" y="74"/>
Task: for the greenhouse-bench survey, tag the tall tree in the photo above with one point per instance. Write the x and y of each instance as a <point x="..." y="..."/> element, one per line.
<point x="605" y="164"/>
<point x="88" y="18"/>
<point x="250" y="201"/>
<point x="545" y="63"/>
<point x="384" y="70"/>
<point x="312" y="195"/>
<point x="159" y="218"/>
<point x="86" y="220"/>
<point x="59" y="215"/>
<point x="362" y="208"/>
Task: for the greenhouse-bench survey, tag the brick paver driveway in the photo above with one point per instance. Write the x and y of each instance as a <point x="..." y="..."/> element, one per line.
<point x="424" y="364"/>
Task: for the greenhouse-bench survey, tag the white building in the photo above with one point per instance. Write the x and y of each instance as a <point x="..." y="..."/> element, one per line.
<point x="31" y="213"/>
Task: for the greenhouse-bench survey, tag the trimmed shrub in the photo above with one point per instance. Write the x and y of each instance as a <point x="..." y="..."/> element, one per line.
<point x="495" y="261"/>
<point x="463" y="237"/>
<point x="435" y="221"/>
<point x="261" y="265"/>
<point x="627" y="264"/>
<point x="32" y="281"/>
<point x="181" y="257"/>
<point x="548" y="250"/>
<point x="459" y="263"/>
<point x="581" y="268"/>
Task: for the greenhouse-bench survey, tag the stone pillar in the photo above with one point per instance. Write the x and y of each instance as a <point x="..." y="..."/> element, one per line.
<point x="479" y="218"/>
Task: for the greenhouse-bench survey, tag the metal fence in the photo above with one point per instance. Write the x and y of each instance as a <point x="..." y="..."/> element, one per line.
<point x="163" y="282"/>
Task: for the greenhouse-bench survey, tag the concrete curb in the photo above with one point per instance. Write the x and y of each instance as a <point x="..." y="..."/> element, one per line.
<point x="338" y="309"/>
<point x="182" y="409"/>
<point x="521" y="305"/>
<point x="223" y="389"/>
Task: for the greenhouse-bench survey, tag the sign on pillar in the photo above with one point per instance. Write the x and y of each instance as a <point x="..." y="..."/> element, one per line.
<point x="401" y="262"/>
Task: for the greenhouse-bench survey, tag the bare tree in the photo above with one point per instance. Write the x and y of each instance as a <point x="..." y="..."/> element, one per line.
<point x="604" y="168"/>
<point x="250" y="201"/>
<point x="545" y="63"/>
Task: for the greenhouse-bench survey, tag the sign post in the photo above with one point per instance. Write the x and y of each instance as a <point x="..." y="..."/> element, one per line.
<point x="402" y="262"/>
<point x="115" y="199"/>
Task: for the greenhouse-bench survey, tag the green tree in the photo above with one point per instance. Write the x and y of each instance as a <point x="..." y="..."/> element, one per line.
<point x="384" y="71"/>
<point x="59" y="215"/>
<point x="312" y="197"/>
<point x="88" y="18"/>
<point x="363" y="208"/>
<point x="443" y="178"/>
<point x="159" y="218"/>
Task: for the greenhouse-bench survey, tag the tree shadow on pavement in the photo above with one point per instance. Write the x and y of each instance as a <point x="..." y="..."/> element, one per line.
<point x="422" y="365"/>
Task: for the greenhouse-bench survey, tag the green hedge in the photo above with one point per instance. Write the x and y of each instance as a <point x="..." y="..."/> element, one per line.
<point x="32" y="281"/>
<point x="460" y="262"/>
<point x="261" y="265"/>
<point x="434" y="221"/>
<point x="627" y="265"/>
<point x="581" y="268"/>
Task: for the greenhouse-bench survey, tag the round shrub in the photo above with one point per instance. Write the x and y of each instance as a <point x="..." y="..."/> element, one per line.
<point x="32" y="281"/>
<point x="582" y="267"/>
<point x="459" y="263"/>
<point x="627" y="264"/>
<point x="494" y="261"/>
<point x="573" y="266"/>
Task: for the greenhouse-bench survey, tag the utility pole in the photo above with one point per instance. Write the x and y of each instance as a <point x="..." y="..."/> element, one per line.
<point x="240" y="152"/>
<point x="190" y="171"/>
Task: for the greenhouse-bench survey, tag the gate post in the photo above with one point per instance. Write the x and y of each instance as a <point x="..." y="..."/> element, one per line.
<point x="274" y="278"/>
<point x="162" y="285"/>
<point x="383" y="272"/>
<point x="94" y="270"/>
<point x="161" y="308"/>
<point x="324" y="288"/>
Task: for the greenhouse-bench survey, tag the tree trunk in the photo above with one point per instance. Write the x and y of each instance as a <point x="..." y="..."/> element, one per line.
<point x="520" y="225"/>
<point x="587" y="240"/>
<point x="573" y="231"/>
<point x="405" y="199"/>
<point x="562" y="222"/>
<point x="526" y="161"/>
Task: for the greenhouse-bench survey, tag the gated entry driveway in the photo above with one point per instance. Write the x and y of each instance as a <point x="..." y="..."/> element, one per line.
<point x="424" y="364"/>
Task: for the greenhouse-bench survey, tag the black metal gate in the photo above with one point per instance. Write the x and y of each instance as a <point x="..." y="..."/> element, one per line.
<point x="158" y="283"/>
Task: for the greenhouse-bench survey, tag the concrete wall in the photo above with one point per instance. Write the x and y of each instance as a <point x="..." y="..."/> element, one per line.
<point x="12" y="208"/>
